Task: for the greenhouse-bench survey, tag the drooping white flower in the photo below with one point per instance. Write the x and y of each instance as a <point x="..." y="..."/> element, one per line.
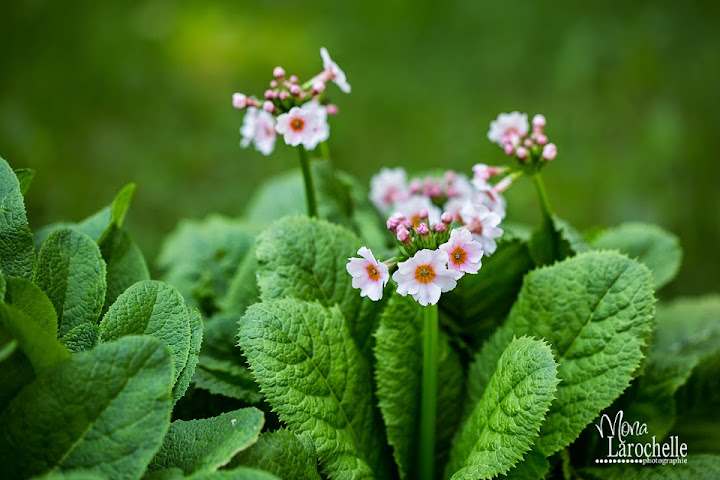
<point x="369" y="275"/>
<point x="465" y="254"/>
<point x="387" y="187"/>
<point x="335" y="73"/>
<point x="425" y="276"/>
<point x="258" y="128"/>
<point x="508" y="128"/>
<point x="306" y="125"/>
<point x="483" y="224"/>
<point x="411" y="207"/>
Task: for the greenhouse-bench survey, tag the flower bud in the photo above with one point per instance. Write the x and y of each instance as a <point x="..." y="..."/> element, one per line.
<point x="293" y="79"/>
<point x="549" y="151"/>
<point x="318" y="86"/>
<point x="538" y="122"/>
<point x="447" y="218"/>
<point x="528" y="143"/>
<point x="509" y="149"/>
<point x="332" y="109"/>
<point x="521" y="153"/>
<point x="423" y="214"/>
<point x="283" y="95"/>
<point x="269" y="94"/>
<point x="440" y="227"/>
<point x="268" y="106"/>
<point x="273" y="84"/>
<point x="392" y="223"/>
<point x="239" y="101"/>
<point x="402" y="234"/>
<point x="279" y="73"/>
<point x="541" y="139"/>
<point x="295" y="89"/>
<point x="422" y="229"/>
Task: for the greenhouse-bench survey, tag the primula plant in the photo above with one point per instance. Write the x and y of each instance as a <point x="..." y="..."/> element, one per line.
<point x="412" y="331"/>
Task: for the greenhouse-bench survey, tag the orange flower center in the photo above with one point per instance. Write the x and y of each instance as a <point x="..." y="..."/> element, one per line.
<point x="373" y="272"/>
<point x="424" y="273"/>
<point x="458" y="256"/>
<point x="297" y="124"/>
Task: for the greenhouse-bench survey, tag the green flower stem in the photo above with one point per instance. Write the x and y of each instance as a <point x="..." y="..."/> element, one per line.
<point x="309" y="187"/>
<point x="542" y="195"/>
<point x="429" y="393"/>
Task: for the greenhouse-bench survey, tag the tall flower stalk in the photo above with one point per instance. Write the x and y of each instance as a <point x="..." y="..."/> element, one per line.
<point x="428" y="403"/>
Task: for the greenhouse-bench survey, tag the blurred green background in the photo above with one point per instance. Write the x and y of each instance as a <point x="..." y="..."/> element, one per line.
<point x="94" y="95"/>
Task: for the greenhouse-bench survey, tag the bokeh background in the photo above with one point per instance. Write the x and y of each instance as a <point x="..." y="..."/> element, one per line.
<point x="94" y="95"/>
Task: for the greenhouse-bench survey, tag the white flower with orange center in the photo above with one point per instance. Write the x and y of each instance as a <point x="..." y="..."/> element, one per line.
<point x="425" y="276"/>
<point x="369" y="275"/>
<point x="483" y="224"/>
<point x="465" y="253"/>
<point x="387" y="187"/>
<point x="508" y="128"/>
<point x="258" y="128"/>
<point x="306" y="125"/>
<point x="334" y="72"/>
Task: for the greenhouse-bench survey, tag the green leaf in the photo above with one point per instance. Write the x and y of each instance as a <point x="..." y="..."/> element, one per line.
<point x="507" y="419"/>
<point x="657" y="248"/>
<point x="277" y="197"/>
<point x="313" y="376"/>
<point x="151" y="308"/>
<point x="223" y="377"/>
<point x="688" y="326"/>
<point x="104" y="411"/>
<point x="697" y="466"/>
<point x="555" y="240"/>
<point x="398" y="359"/>
<point x="96" y="225"/>
<point x="125" y="263"/>
<point x="305" y="258"/>
<point x="240" y="473"/>
<point x="71" y="475"/>
<point x="196" y="336"/>
<point x="480" y="302"/>
<point x="17" y="250"/>
<point x="29" y="323"/>
<point x="282" y="453"/>
<point x="16" y="371"/>
<point x="82" y="338"/>
<point x="71" y="271"/>
<point x="242" y="290"/>
<point x="210" y="443"/>
<point x="28" y="298"/>
<point x="25" y="177"/>
<point x="596" y="312"/>
<point x="200" y="258"/>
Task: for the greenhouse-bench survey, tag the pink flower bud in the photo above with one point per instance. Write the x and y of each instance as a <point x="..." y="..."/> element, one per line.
<point x="278" y="72"/>
<point x="521" y="153"/>
<point x="541" y="139"/>
<point x="450" y="176"/>
<point x="528" y="143"/>
<point x="422" y="229"/>
<point x="392" y="223"/>
<point x="293" y="79"/>
<point x="423" y="214"/>
<point x="239" y="101"/>
<point x="295" y="89"/>
<point x="251" y="102"/>
<point x="268" y="106"/>
<point x="269" y="94"/>
<point x="509" y="149"/>
<point x="332" y="109"/>
<point x="549" y="151"/>
<point x="447" y="218"/>
<point x="415" y="186"/>
<point x="402" y="234"/>
<point x="273" y="84"/>
<point x="283" y="95"/>
<point x="440" y="227"/>
<point x="302" y="95"/>
<point x="538" y="122"/>
<point x="318" y="86"/>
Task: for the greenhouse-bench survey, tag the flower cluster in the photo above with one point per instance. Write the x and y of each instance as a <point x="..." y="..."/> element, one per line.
<point x="510" y="131"/>
<point x="296" y="111"/>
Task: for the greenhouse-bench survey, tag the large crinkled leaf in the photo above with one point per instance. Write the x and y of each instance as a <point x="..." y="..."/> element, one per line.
<point x="82" y="338"/>
<point x="655" y="247"/>
<point x="305" y="258"/>
<point x="240" y="473"/>
<point x="201" y="257"/>
<point x="595" y="310"/>
<point x="71" y="271"/>
<point x="313" y="376"/>
<point x="104" y="411"/>
<point x="17" y="250"/>
<point x="506" y="421"/>
<point x="480" y="302"/>
<point x="151" y="308"/>
<point x="210" y="443"/>
<point x="697" y="467"/>
<point x="282" y="453"/>
<point x="555" y="240"/>
<point x="125" y="263"/>
<point x="29" y="299"/>
<point x="398" y="360"/>
<point x="196" y="338"/>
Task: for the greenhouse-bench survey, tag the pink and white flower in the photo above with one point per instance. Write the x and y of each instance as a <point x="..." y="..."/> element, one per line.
<point x="306" y="125"/>
<point x="258" y="128"/>
<point x="465" y="254"/>
<point x="483" y="224"/>
<point x="509" y="128"/>
<point x="387" y="187"/>
<point x="334" y="72"/>
<point x="412" y="207"/>
<point x="425" y="276"/>
<point x="369" y="275"/>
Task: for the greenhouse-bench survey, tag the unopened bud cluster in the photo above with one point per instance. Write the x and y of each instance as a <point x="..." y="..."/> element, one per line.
<point x="512" y="132"/>
<point x="296" y="111"/>
<point x="419" y="232"/>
